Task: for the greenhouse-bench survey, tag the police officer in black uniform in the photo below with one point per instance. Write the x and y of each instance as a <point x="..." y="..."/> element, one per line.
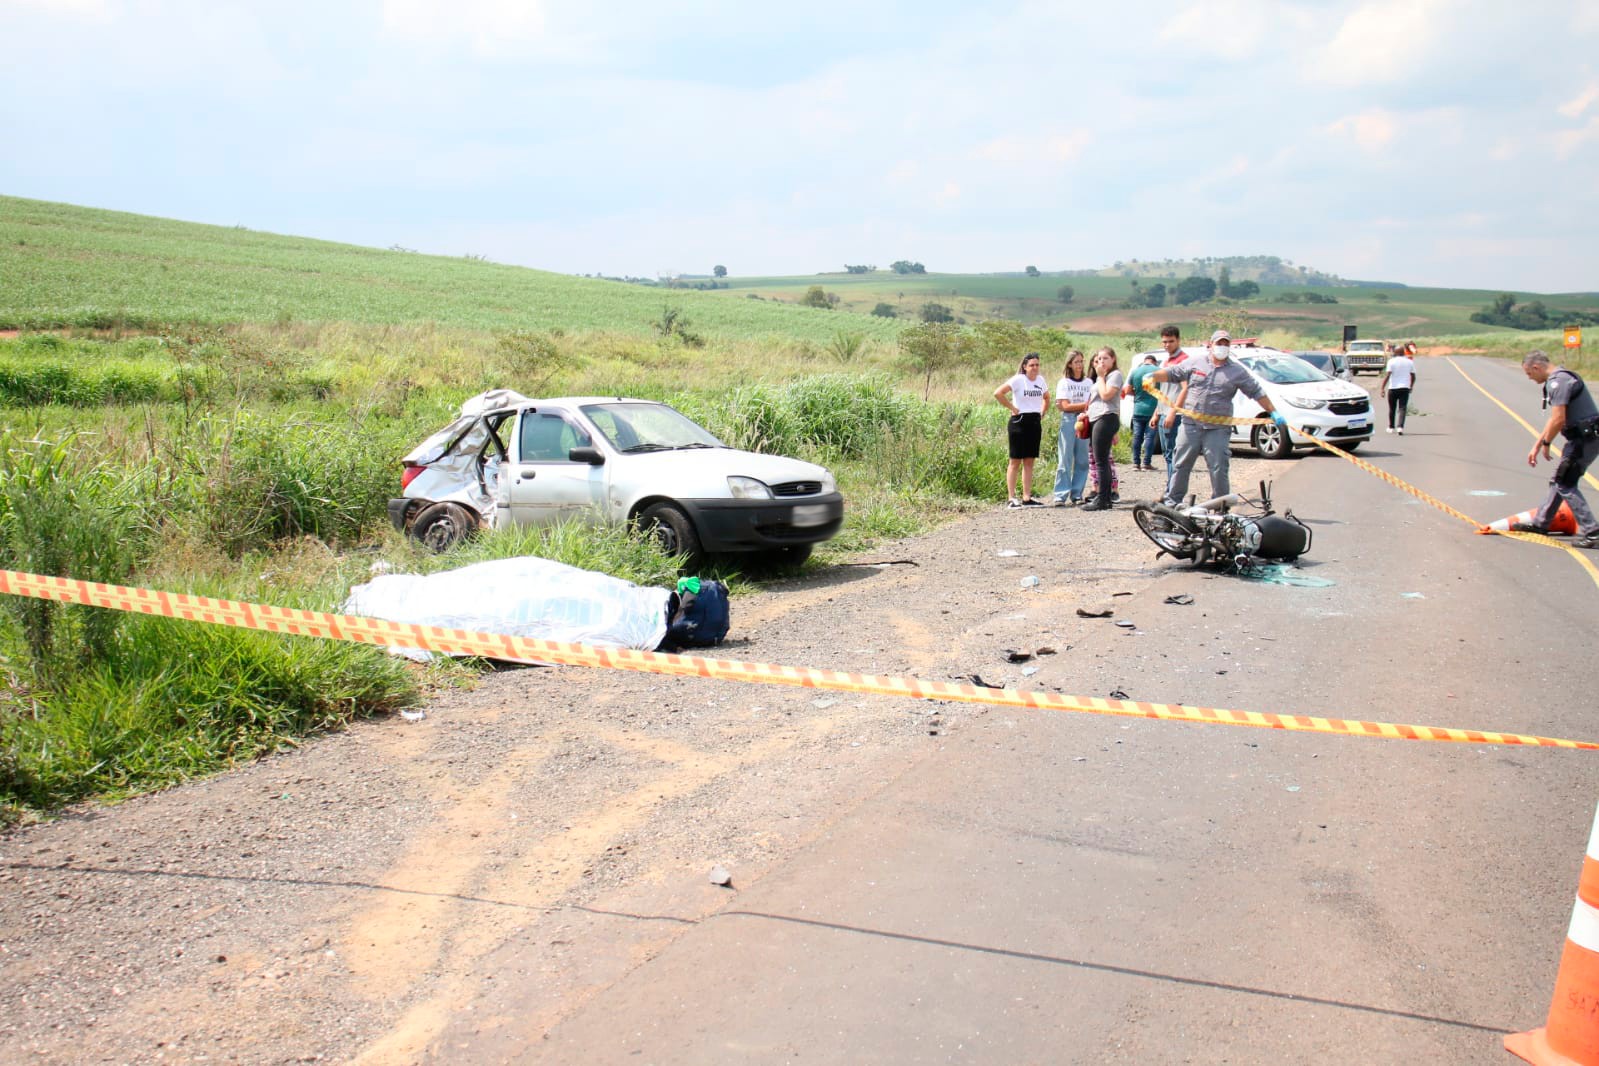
<point x="1574" y="415"/>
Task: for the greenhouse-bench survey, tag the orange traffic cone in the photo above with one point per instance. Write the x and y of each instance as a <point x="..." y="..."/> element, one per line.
<point x="1571" y="1035"/>
<point x="1564" y="521"/>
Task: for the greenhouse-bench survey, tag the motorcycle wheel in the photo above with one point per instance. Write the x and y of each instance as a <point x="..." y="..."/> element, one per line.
<point x="1172" y="531"/>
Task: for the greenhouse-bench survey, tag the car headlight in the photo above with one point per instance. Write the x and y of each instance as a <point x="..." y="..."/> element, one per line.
<point x="747" y="488"/>
<point x="1306" y="403"/>
<point x="828" y="484"/>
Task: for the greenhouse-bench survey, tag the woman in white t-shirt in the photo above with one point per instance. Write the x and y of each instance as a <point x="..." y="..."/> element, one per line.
<point x="1025" y="396"/>
<point x="1072" y="394"/>
<point x="1104" y="421"/>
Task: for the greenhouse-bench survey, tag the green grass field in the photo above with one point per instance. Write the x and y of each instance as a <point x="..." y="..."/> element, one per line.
<point x="75" y="266"/>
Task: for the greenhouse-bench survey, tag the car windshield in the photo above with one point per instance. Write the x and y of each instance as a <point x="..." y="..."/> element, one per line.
<point x="1283" y="370"/>
<point x="1320" y="360"/>
<point x="647" y="427"/>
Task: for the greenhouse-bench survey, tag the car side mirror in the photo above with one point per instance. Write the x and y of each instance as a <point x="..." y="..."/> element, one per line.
<point x="591" y="456"/>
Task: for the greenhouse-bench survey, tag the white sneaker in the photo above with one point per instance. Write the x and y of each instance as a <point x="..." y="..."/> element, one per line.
<point x="1390" y="429"/>
<point x="1400" y="431"/>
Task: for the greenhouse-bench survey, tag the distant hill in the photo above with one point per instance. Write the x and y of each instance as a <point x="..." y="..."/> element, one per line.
<point x="76" y="266"/>
<point x="1261" y="269"/>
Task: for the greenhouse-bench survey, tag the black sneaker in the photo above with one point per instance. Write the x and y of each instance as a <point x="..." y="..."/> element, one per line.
<point x="1031" y="502"/>
<point x="1528" y="527"/>
<point x="1014" y="503"/>
<point x="1585" y="542"/>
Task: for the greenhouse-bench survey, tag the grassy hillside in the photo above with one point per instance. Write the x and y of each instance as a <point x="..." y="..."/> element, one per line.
<point x="66" y="266"/>
<point x="1097" y="304"/>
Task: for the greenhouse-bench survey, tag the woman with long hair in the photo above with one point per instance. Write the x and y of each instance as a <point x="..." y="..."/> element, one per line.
<point x="1104" y="420"/>
<point x="1025" y="396"/>
<point x="1071" y="397"/>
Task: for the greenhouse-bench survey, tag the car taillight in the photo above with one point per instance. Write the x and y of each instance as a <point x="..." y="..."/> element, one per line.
<point x="409" y="474"/>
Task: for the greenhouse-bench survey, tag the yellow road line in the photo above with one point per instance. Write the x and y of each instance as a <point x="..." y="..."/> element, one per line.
<point x="360" y="630"/>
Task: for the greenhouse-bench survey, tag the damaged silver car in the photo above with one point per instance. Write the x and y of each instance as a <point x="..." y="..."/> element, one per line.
<point x="511" y="460"/>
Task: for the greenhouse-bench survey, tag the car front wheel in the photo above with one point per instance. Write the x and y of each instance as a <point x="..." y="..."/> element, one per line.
<point x="1272" y="441"/>
<point x="673" y="531"/>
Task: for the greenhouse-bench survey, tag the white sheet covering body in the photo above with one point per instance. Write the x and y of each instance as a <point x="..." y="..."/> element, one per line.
<point x="523" y="597"/>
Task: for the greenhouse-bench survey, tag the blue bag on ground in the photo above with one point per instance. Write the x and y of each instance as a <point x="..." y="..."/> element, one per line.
<point x="701" y="617"/>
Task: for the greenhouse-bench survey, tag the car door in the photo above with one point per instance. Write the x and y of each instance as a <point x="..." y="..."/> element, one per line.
<point x="542" y="485"/>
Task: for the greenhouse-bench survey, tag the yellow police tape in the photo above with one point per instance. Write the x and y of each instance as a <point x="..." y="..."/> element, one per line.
<point x="461" y="642"/>
<point x="1398" y="483"/>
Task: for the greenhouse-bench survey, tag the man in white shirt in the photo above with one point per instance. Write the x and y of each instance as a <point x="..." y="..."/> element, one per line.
<point x="1398" y="378"/>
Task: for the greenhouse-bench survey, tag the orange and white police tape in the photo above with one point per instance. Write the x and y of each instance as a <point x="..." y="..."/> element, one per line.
<point x="461" y="642"/>
<point x="1398" y="483"/>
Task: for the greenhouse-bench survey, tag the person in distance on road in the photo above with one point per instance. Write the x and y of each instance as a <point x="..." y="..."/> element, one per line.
<point x="1398" y="378"/>
<point x="1574" y="415"/>
<point x="1212" y="384"/>
<point x="1104" y="420"/>
<point x="1025" y="396"/>
<point x="1071" y="396"/>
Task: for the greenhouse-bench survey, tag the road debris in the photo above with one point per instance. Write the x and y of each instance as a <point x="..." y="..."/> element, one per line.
<point x="720" y="876"/>
<point x="1084" y="612"/>
<point x="1181" y="599"/>
<point x="1017" y="655"/>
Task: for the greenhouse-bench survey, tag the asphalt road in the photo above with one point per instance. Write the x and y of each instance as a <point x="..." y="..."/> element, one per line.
<point x="1069" y="888"/>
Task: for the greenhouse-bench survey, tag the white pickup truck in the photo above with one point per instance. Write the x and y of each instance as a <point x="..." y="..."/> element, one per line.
<point x="1367" y="355"/>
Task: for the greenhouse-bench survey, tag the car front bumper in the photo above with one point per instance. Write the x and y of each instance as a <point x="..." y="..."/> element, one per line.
<point x="1323" y="425"/>
<point x="749" y="525"/>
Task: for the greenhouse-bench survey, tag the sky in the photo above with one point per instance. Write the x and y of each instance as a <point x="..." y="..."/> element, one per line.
<point x="1431" y="142"/>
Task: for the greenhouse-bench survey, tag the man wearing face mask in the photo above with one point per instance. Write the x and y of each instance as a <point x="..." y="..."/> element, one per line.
<point x="1212" y="383"/>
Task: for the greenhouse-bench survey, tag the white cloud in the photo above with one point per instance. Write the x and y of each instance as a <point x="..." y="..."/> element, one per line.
<point x="1574" y="107"/>
<point x="1383" y="42"/>
<point x="98" y="10"/>
<point x="1040" y="150"/>
<point x="489" y="27"/>
<point x="1232" y="29"/>
<point x="1372" y="130"/>
<point x="1568" y="141"/>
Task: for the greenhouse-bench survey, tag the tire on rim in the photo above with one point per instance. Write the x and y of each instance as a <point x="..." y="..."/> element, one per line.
<point x="1171" y="530"/>
<point x="673" y="532"/>
<point x="444" y="525"/>
<point x="1272" y="441"/>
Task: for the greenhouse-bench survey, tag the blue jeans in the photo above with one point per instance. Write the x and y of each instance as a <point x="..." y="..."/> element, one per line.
<point x="1071" y="468"/>
<point x="1143" y="440"/>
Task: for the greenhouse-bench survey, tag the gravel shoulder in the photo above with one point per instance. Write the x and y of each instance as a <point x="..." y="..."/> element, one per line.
<point x="402" y="891"/>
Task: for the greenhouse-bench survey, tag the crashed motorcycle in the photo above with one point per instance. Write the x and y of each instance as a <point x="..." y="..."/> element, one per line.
<point x="1232" y="530"/>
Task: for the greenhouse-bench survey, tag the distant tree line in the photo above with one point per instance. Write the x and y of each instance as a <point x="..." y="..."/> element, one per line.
<point x="1504" y="311"/>
<point x="905" y="266"/>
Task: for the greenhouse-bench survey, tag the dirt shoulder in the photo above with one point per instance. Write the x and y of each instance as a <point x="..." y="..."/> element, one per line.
<point x="406" y="891"/>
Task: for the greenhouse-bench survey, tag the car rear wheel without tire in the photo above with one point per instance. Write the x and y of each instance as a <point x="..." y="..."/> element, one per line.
<point x="673" y="531"/>
<point x="1272" y="442"/>
<point x="443" y="526"/>
<point x="1171" y="530"/>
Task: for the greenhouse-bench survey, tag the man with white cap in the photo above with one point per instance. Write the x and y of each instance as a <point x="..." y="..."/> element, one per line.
<point x="1212" y="383"/>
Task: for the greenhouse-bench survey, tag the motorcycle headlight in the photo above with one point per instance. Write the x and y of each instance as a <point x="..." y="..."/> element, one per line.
<point x="747" y="488"/>
<point x="1306" y="402"/>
